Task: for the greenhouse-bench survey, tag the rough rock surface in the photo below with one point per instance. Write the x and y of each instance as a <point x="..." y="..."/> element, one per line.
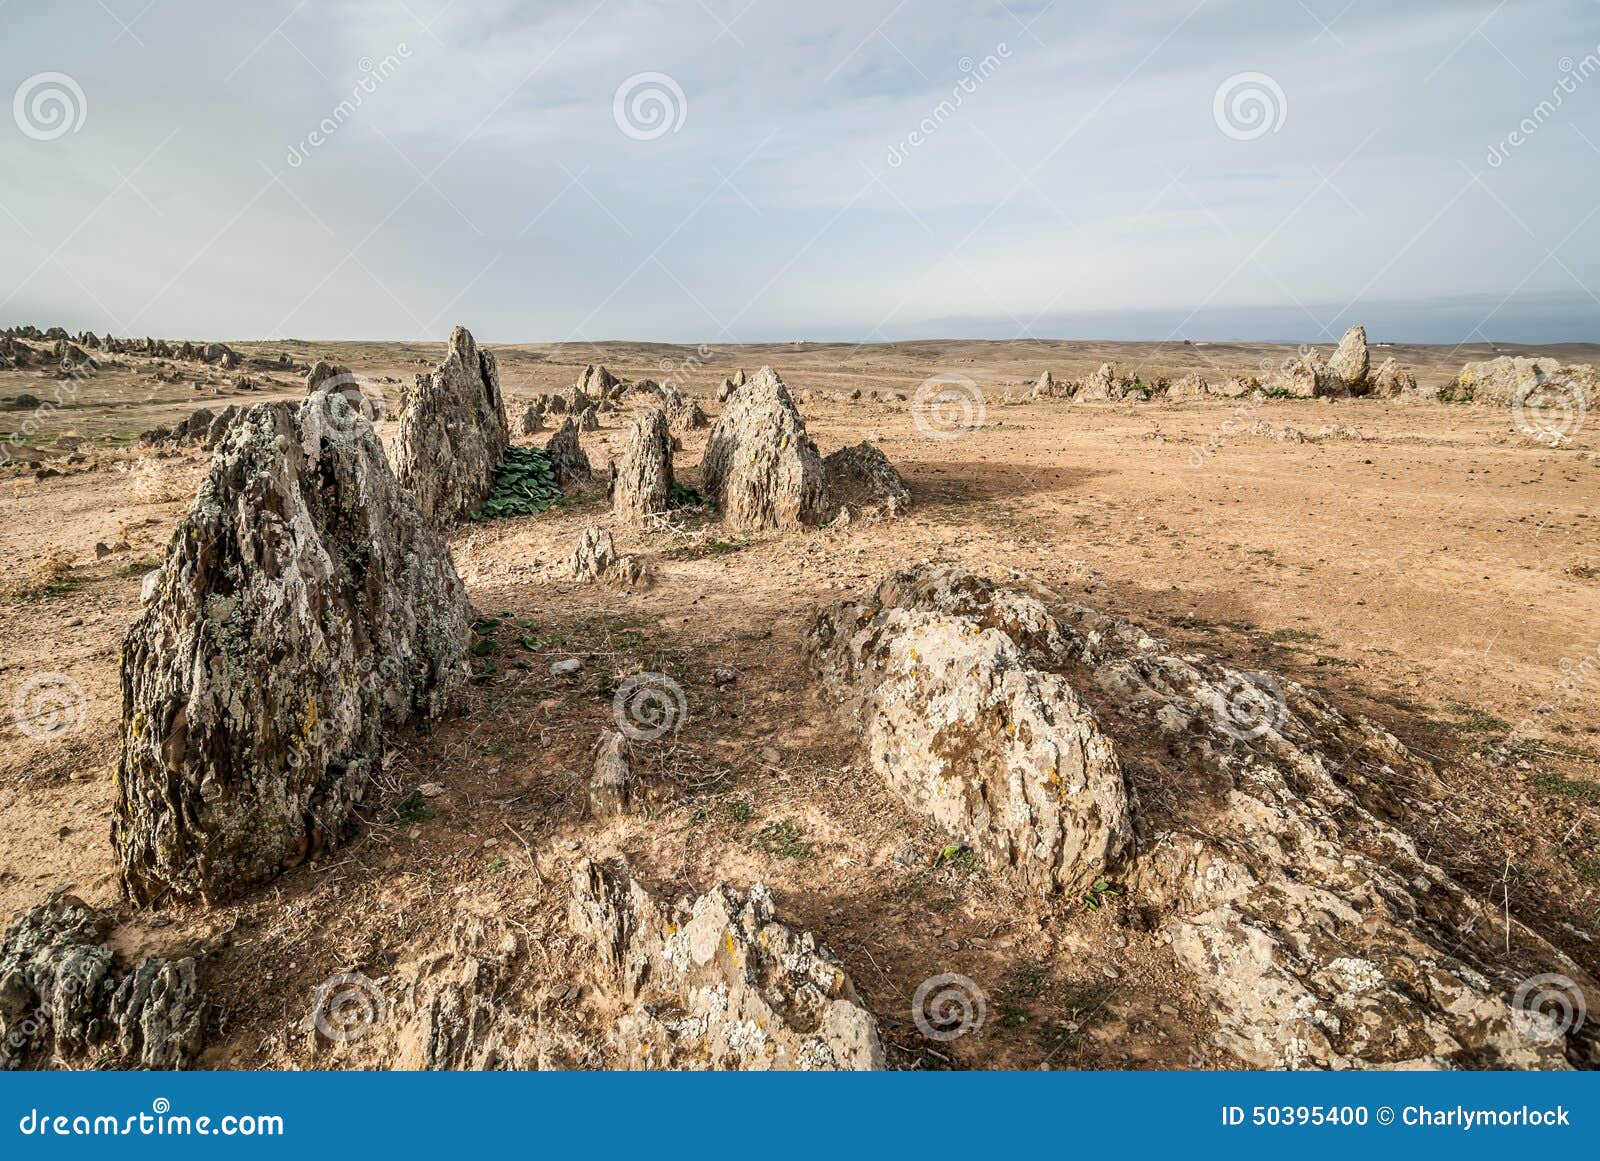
<point x="683" y="413"/>
<point x="717" y="982"/>
<point x="532" y="419"/>
<point x="643" y="484"/>
<point x="303" y="605"/>
<point x="611" y="778"/>
<point x="1508" y="378"/>
<point x="1391" y="380"/>
<point x="1319" y="934"/>
<point x="453" y="432"/>
<point x="589" y="419"/>
<point x="1190" y="386"/>
<point x="567" y="454"/>
<point x="597" y="383"/>
<point x="862" y="477"/>
<point x="1350" y="361"/>
<point x="595" y="559"/>
<point x="68" y="1000"/>
<point x="760" y="466"/>
<point x="1005" y="758"/>
<point x="1102" y="386"/>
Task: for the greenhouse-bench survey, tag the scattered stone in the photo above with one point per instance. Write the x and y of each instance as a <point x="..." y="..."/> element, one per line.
<point x="453" y="432"/>
<point x="304" y="605"/>
<point x="1509" y="379"/>
<point x="571" y="667"/>
<point x="862" y="477"/>
<point x="1391" y="381"/>
<point x="567" y="454"/>
<point x="589" y="420"/>
<point x="611" y="780"/>
<point x="1350" y="362"/>
<point x="760" y="466"/>
<point x="724" y="676"/>
<point x="716" y="982"/>
<point x="532" y="419"/>
<point x="643" y="484"/>
<point x="68" y="1000"/>
<point x="430" y="789"/>
<point x="596" y="560"/>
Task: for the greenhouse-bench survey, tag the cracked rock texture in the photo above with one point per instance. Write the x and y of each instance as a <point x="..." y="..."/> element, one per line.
<point x="1509" y="377"/>
<point x="760" y="466"/>
<point x="571" y="462"/>
<point x="716" y="982"/>
<point x="862" y="477"/>
<point x="1319" y="934"/>
<point x="595" y="559"/>
<point x="643" y="484"/>
<point x="453" y="432"/>
<point x="304" y="605"/>
<point x="67" y="1000"/>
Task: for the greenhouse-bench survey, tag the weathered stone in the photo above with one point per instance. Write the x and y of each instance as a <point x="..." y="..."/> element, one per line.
<point x="303" y="605"/>
<point x="683" y="413"/>
<point x="725" y="391"/>
<point x="1510" y="378"/>
<point x="597" y="382"/>
<point x="567" y="455"/>
<point x="453" y="433"/>
<point x="1101" y="387"/>
<point x="1350" y="361"/>
<point x="1190" y="386"/>
<point x="716" y="982"/>
<point x="1045" y="387"/>
<point x="611" y="778"/>
<point x="589" y="420"/>
<point x="532" y="419"/>
<point x="862" y="477"/>
<point x="760" y="466"/>
<point x="595" y="559"/>
<point x="1391" y="380"/>
<point x="68" y="1000"/>
<point x="643" y="484"/>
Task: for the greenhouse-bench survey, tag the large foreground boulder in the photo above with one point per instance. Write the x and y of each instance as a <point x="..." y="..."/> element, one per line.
<point x="453" y="432"/>
<point x="1513" y="379"/>
<point x="68" y="1000"/>
<point x="760" y="466"/>
<point x="1318" y="934"/>
<point x="643" y="484"/>
<point x="716" y="982"/>
<point x="304" y="605"/>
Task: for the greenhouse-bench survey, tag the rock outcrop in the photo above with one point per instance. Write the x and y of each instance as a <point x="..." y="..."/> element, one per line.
<point x="532" y="419"/>
<point x="760" y="466"/>
<point x="611" y="777"/>
<point x="453" y="433"/>
<point x="716" y="982"/>
<point x="1350" y="361"/>
<point x="304" y="605"/>
<point x="1318" y="934"/>
<point x="1101" y="387"/>
<point x="68" y="1000"/>
<point x="1509" y="379"/>
<point x="595" y="560"/>
<point x="1190" y="386"/>
<point x="1392" y="380"/>
<point x="567" y="455"/>
<point x="643" y="484"/>
<point x="862" y="477"/>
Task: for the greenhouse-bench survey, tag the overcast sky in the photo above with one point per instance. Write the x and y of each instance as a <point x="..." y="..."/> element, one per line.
<point x="753" y="170"/>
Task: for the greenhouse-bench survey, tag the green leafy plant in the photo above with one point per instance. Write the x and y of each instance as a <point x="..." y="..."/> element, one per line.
<point x="1097" y="894"/>
<point x="784" y="840"/>
<point x="524" y="485"/>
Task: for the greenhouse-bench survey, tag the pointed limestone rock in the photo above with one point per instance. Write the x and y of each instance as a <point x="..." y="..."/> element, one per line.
<point x="453" y="432"/>
<point x="760" y="466"/>
<point x="643" y="485"/>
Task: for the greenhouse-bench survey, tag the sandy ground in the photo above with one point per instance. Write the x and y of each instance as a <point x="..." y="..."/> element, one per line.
<point x="1425" y="564"/>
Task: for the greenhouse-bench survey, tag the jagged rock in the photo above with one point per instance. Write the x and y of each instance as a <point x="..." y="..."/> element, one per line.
<point x="532" y="419"/>
<point x="1315" y="932"/>
<point x="1350" y="361"/>
<point x="1233" y="387"/>
<point x="611" y="779"/>
<point x="760" y="466"/>
<point x="567" y="454"/>
<point x="453" y="432"/>
<point x="68" y="1000"/>
<point x="1392" y="380"/>
<point x="220" y="426"/>
<point x="1304" y="376"/>
<point x="1101" y="387"/>
<point x="1004" y="758"/>
<point x="716" y="982"/>
<point x="862" y="477"/>
<point x="725" y="391"/>
<point x="1509" y="378"/>
<point x="683" y="413"/>
<point x="589" y="420"/>
<point x="595" y="559"/>
<point x="643" y="484"/>
<point x="304" y="605"/>
<point x="557" y="405"/>
<point x="739" y="379"/>
<point x="1190" y="386"/>
<point x="1045" y="387"/>
<point x="597" y="382"/>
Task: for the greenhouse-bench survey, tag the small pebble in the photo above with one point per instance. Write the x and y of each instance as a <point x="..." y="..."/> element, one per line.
<point x="567" y="668"/>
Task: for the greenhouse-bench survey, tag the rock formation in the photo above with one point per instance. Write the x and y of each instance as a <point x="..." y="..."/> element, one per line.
<point x="1318" y="934"/>
<point x="611" y="778"/>
<point x="1508" y="379"/>
<point x="68" y="1000"/>
<point x="567" y="454"/>
<point x="863" y="478"/>
<point x="1101" y="387"/>
<point x="595" y="559"/>
<point x="453" y="433"/>
<point x="304" y="605"/>
<point x="1350" y="361"/>
<point x="643" y="484"/>
<point x="589" y="419"/>
<point x="532" y="419"/>
<point x="1391" y="380"/>
<point x="716" y="982"/>
<point x="760" y="466"/>
<point x="1190" y="386"/>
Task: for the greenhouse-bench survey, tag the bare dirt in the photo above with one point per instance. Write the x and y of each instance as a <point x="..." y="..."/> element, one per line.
<point x="1425" y="564"/>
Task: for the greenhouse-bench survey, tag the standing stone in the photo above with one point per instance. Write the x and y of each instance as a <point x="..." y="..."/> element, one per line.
<point x="597" y="382"/>
<point x="304" y="605"/>
<point x="863" y="477"/>
<point x="610" y="782"/>
<point x="1100" y="387"/>
<point x="760" y="466"/>
<point x="532" y="419"/>
<point x="1190" y="386"/>
<point x="1045" y="387"/>
<point x="566" y="451"/>
<point x="725" y="391"/>
<point x="1349" y="363"/>
<point x="1392" y="380"/>
<point x="453" y="433"/>
<point x="595" y="559"/>
<point x="643" y="484"/>
<point x="589" y="420"/>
